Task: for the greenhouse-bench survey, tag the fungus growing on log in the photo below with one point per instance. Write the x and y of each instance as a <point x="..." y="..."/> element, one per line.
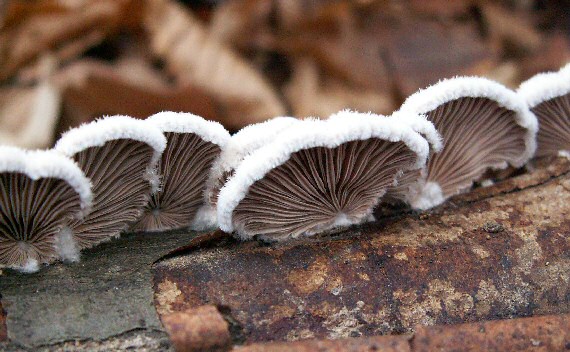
<point x="39" y="192"/>
<point x="193" y="144"/>
<point x="240" y="145"/>
<point x="119" y="154"/>
<point x="419" y="124"/>
<point x="548" y="96"/>
<point x="318" y="175"/>
<point x="484" y="126"/>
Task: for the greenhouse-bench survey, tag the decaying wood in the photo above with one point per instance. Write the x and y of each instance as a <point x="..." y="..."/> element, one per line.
<point x="109" y="293"/>
<point x="500" y="252"/>
<point x="545" y="333"/>
<point x="200" y="329"/>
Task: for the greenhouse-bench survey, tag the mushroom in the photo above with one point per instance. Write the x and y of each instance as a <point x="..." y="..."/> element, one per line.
<point x="484" y="126"/>
<point x="119" y="154"/>
<point x="421" y="125"/>
<point x="548" y="96"/>
<point x="240" y="145"/>
<point x="318" y="175"/>
<point x="193" y="144"/>
<point x="39" y="192"/>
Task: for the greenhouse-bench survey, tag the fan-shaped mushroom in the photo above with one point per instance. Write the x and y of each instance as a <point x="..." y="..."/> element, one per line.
<point x="192" y="146"/>
<point x="39" y="192"/>
<point x="240" y="145"/>
<point x="119" y="154"/>
<point x="316" y="176"/>
<point x="419" y="124"/>
<point x="548" y="96"/>
<point x="484" y="126"/>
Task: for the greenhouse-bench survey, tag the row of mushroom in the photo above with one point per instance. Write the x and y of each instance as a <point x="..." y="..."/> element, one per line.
<point x="279" y="179"/>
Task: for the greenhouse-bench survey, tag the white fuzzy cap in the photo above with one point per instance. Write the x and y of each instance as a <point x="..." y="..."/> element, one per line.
<point x="253" y="137"/>
<point x="99" y="132"/>
<point x="47" y="164"/>
<point x="418" y="123"/>
<point x="310" y="134"/>
<point x="180" y="122"/>
<point x="241" y="144"/>
<point x="429" y="99"/>
<point x="545" y="86"/>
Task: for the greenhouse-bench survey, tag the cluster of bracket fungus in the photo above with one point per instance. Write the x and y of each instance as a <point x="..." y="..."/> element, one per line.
<point x="484" y="126"/>
<point x="193" y="144"/>
<point x="318" y="175"/>
<point x="119" y="155"/>
<point x="280" y="179"/>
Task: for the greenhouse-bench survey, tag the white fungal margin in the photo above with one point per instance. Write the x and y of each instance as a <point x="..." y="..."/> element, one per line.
<point x="99" y="132"/>
<point x="247" y="140"/>
<point x="31" y="266"/>
<point x="429" y="99"/>
<point x="545" y="86"/>
<point x="241" y="144"/>
<point x="205" y="219"/>
<point x="427" y="196"/>
<point x="66" y="246"/>
<point x="48" y="164"/>
<point x="180" y="122"/>
<point x="309" y="134"/>
<point x="417" y="122"/>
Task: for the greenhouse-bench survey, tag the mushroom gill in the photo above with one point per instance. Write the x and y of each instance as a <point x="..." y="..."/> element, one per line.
<point x="193" y="144"/>
<point x="548" y="97"/>
<point x="418" y="123"/>
<point x="39" y="192"/>
<point x="244" y="142"/>
<point x="484" y="126"/>
<point x="317" y="176"/>
<point x="119" y="155"/>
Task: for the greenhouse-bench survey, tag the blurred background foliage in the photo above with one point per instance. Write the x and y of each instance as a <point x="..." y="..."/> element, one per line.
<point x="65" y="62"/>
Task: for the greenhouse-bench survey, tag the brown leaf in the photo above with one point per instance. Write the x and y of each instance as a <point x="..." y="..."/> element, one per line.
<point x="311" y="95"/>
<point x="196" y="57"/>
<point x="28" y="115"/>
<point x="346" y="45"/>
<point x="48" y="25"/>
<point x="439" y="52"/>
<point x="515" y="30"/>
<point x="92" y="89"/>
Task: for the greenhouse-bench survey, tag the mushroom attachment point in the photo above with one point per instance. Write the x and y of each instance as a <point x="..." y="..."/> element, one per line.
<point x="39" y="192"/>
<point x="548" y="96"/>
<point x="119" y="154"/>
<point x="484" y="126"/>
<point x="318" y="175"/>
<point x="240" y="145"/>
<point x="193" y="144"/>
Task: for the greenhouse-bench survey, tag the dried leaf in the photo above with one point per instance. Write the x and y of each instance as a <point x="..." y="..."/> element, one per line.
<point x="92" y="89"/>
<point x="50" y="26"/>
<point x="196" y="57"/>
<point x="439" y="52"/>
<point x="345" y="45"/>
<point x="28" y="115"/>
<point x="514" y="30"/>
<point x="310" y="95"/>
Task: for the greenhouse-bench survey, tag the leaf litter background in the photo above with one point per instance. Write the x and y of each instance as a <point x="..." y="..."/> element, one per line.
<point x="243" y="61"/>
<point x="65" y="62"/>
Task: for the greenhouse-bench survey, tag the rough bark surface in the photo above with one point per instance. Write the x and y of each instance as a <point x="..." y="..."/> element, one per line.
<point x="499" y="252"/>
<point x="108" y="293"/>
